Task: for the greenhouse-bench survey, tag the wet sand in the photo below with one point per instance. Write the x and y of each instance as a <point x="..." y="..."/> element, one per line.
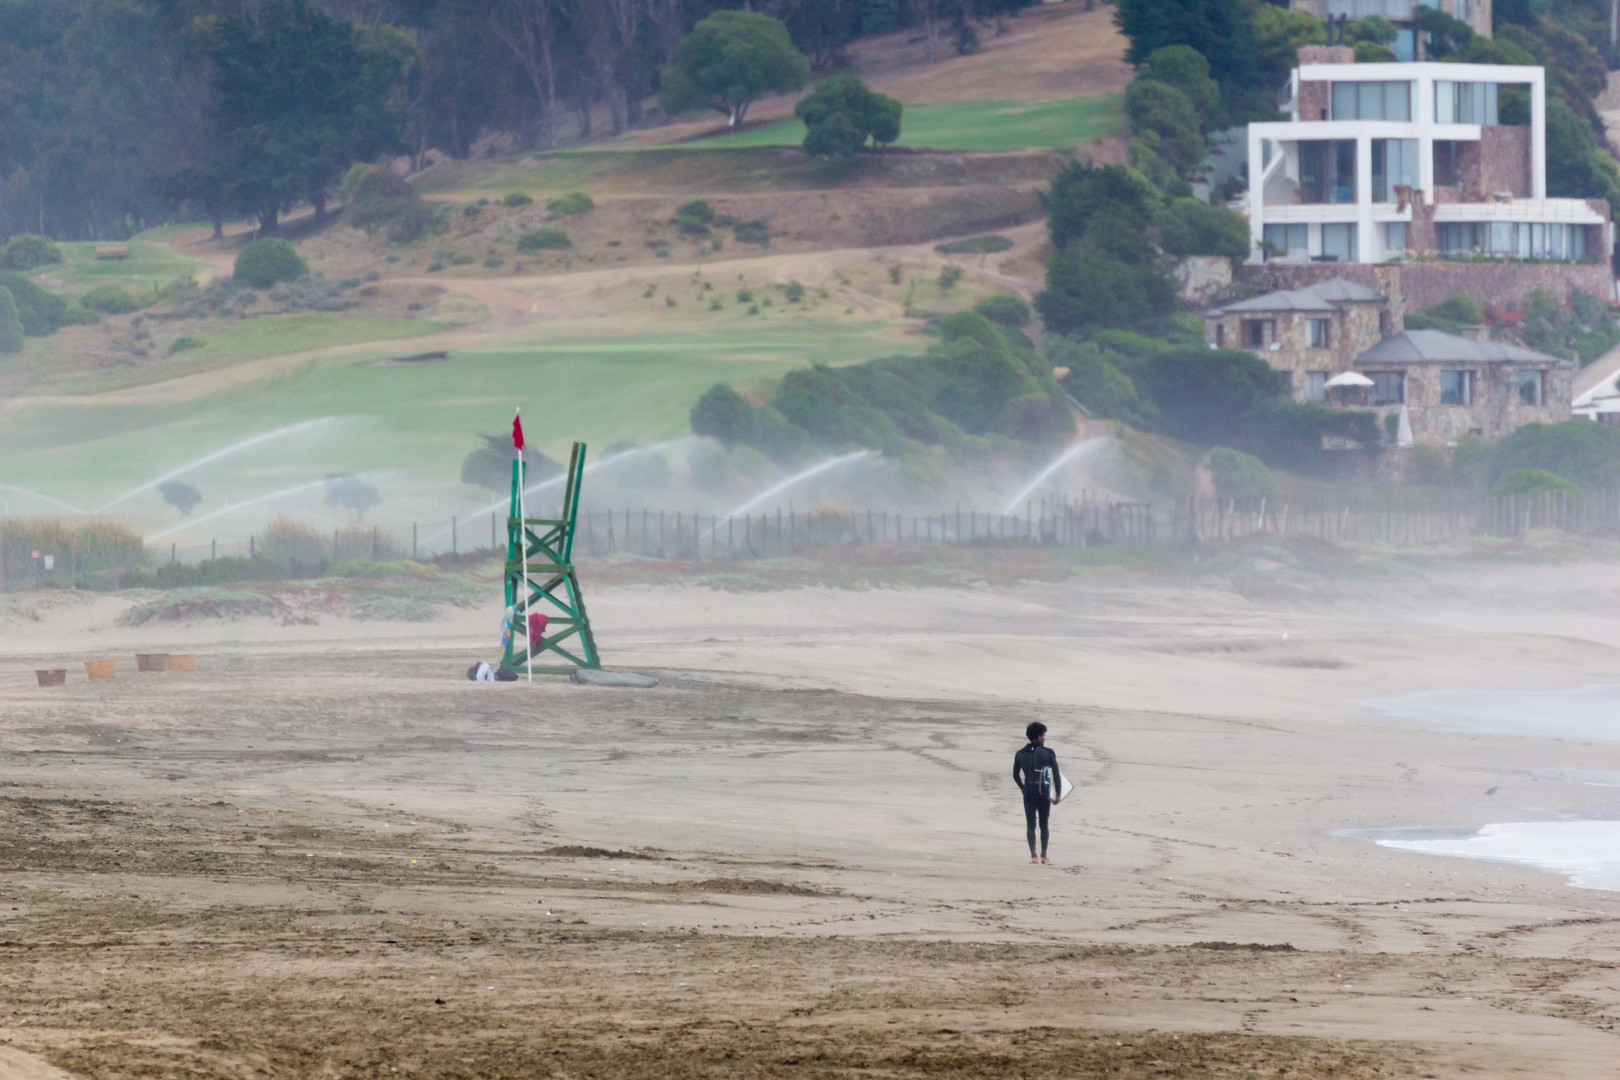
<point x="327" y="854"/>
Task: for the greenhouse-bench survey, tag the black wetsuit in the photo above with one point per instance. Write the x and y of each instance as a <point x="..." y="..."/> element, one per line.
<point x="1028" y="764"/>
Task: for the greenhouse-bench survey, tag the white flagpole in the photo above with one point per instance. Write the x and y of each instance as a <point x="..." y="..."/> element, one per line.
<point x="523" y="546"/>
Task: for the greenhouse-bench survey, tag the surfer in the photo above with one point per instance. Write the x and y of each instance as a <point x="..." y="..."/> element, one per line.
<point x="1035" y="770"/>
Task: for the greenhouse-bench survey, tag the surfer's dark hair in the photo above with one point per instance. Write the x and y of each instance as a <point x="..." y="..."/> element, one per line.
<point x="1035" y="731"/>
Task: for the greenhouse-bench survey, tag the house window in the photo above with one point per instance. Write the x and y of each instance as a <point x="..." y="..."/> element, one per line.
<point x="1456" y="387"/>
<point x="1531" y="387"/>
<point x="1327" y="171"/>
<point x="1388" y="388"/>
<point x="1405" y="44"/>
<point x="1339" y="241"/>
<point x="1256" y="332"/>
<point x="1465" y="102"/>
<point x="1395" y="236"/>
<point x="1319" y="333"/>
<point x="1316" y="385"/>
<point x="1288" y="240"/>
<point x="1372" y="101"/>
<point x="1445" y="163"/>
<point x="1394" y="162"/>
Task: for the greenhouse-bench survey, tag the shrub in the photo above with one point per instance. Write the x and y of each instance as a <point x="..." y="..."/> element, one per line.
<point x="380" y="200"/>
<point x="79" y="315"/>
<point x="95" y="545"/>
<point x="975" y="245"/>
<point x="110" y="300"/>
<point x="723" y="414"/>
<point x="752" y="232"/>
<point x="1577" y="450"/>
<point x="267" y="262"/>
<point x="570" y="202"/>
<point x="471" y="210"/>
<point x="26" y="251"/>
<point x="41" y="312"/>
<point x="842" y="113"/>
<point x="1191" y="227"/>
<point x="492" y="261"/>
<point x="1239" y="475"/>
<point x="697" y="210"/>
<point x="745" y="296"/>
<point x="1004" y="308"/>
<point x="545" y="238"/>
<point x="184" y="343"/>
<point x="691" y="226"/>
<point x="289" y="541"/>
<point x="948" y="277"/>
<point x="1532" y="482"/>
<point x="516" y="199"/>
<point x="793" y="292"/>
<point x="11" y="328"/>
<point x="1096" y="382"/>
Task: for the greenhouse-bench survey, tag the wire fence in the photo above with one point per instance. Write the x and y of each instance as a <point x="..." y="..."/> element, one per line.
<point x="1393" y="517"/>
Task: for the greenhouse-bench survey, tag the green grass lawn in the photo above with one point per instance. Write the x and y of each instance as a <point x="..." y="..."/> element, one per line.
<point x="407" y="425"/>
<point x="148" y="267"/>
<point x="972" y="125"/>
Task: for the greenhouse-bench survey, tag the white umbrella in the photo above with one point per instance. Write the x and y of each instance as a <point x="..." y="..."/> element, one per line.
<point x="1349" y="378"/>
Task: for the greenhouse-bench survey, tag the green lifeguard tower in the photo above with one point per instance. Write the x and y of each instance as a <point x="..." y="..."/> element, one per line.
<point x="547" y="584"/>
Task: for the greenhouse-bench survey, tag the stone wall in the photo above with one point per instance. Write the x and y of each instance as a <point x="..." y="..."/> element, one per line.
<point x="1313" y="100"/>
<point x="1413" y="286"/>
<point x="1504" y="162"/>
<point x="1199" y="277"/>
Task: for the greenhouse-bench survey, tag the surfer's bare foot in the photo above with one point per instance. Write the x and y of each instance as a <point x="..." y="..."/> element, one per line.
<point x="1045" y="860"/>
<point x="1033" y="859"/>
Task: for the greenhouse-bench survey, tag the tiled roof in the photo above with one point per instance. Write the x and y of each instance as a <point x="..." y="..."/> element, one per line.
<point x="1433" y="346"/>
<point x="1319" y="297"/>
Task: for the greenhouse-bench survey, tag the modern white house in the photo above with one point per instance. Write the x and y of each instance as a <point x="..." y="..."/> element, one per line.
<point x="1390" y="160"/>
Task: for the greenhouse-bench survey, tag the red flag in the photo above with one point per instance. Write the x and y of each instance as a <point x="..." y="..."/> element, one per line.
<point x="517" y="432"/>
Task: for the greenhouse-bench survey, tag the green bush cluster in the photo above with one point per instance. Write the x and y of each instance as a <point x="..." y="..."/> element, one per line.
<point x="1579" y="452"/>
<point x="39" y="312"/>
<point x="545" y="238"/>
<point x="694" y="217"/>
<point x="382" y="201"/>
<point x="569" y="203"/>
<point x="1209" y="397"/>
<point x="11" y="328"/>
<point x="1449" y="315"/>
<point x="515" y="199"/>
<point x="1582" y="331"/>
<point x="27" y="251"/>
<point x="1239" y="475"/>
<point x="842" y="114"/>
<point x="1004" y="309"/>
<point x="268" y="262"/>
<point x="110" y="300"/>
<point x="975" y="384"/>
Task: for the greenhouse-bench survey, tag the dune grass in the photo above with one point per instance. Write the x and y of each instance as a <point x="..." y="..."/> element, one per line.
<point x="971" y="125"/>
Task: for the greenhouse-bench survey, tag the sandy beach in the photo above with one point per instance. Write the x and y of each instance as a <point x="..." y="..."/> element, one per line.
<point x="325" y="853"/>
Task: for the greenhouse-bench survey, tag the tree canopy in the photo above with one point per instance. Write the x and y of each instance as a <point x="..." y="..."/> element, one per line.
<point x="729" y="60"/>
<point x="842" y="113"/>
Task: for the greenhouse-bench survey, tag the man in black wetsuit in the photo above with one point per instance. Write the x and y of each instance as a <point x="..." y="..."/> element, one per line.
<point x="1040" y="791"/>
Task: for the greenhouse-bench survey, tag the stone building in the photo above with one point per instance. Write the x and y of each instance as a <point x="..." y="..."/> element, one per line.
<point x="1313" y="333"/>
<point x="1448" y="386"/>
<point x="1453" y="386"/>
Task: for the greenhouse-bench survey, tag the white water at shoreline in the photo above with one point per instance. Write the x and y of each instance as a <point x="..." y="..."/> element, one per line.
<point x="1586" y="853"/>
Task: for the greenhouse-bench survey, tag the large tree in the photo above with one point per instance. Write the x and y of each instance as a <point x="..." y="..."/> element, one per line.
<point x="842" y="113"/>
<point x="299" y="98"/>
<point x="729" y="60"/>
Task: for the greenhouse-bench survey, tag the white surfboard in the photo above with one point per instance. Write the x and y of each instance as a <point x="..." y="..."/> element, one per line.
<point x="1067" y="787"/>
